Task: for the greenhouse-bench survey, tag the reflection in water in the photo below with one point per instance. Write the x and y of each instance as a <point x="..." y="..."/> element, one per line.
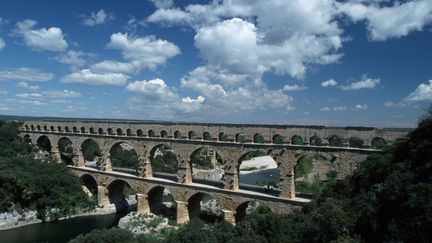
<point x="60" y="231"/>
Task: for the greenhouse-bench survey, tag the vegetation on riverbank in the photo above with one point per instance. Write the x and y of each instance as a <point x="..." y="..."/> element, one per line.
<point x="387" y="199"/>
<point x="30" y="183"/>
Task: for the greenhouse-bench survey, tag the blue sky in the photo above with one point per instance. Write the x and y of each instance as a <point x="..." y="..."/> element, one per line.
<point x="353" y="62"/>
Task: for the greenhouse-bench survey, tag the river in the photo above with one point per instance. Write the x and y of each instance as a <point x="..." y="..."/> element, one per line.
<point x="65" y="230"/>
<point x="59" y="231"/>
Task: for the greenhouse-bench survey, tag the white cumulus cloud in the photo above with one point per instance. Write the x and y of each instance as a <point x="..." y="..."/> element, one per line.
<point x="113" y="66"/>
<point x="51" y="39"/>
<point x="422" y="93"/>
<point x="330" y="82"/>
<point x="73" y="58"/>
<point x="294" y="87"/>
<point x="364" y="83"/>
<point x="28" y="86"/>
<point x="87" y="77"/>
<point x="98" y="18"/>
<point x="143" y="52"/>
<point x="152" y="89"/>
<point x="25" y="74"/>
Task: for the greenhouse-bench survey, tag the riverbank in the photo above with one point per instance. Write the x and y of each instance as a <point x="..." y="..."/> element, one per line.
<point x="12" y="220"/>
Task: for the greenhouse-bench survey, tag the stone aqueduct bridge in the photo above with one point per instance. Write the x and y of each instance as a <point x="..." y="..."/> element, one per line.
<point x="184" y="139"/>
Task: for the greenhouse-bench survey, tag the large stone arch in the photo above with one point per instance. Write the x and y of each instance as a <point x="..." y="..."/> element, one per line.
<point x="44" y="142"/>
<point x="157" y="201"/>
<point x="90" y="183"/>
<point x="195" y="206"/>
<point x="167" y="153"/>
<point x="116" y="193"/>
<point x="312" y="166"/>
<point x="131" y="161"/>
<point x="215" y="157"/>
<point x="66" y="150"/>
<point x="91" y="151"/>
<point x="242" y="208"/>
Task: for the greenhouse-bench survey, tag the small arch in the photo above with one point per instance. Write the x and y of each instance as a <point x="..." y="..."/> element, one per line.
<point x="315" y="141"/>
<point x="297" y="140"/>
<point x="129" y="132"/>
<point x="100" y="131"/>
<point x="258" y="138"/>
<point x="335" y="141"/>
<point x="356" y="142"/>
<point x="151" y="133"/>
<point x="191" y="135"/>
<point x="26" y="127"/>
<point x="177" y="135"/>
<point x="161" y="202"/>
<point x="45" y="128"/>
<point x="59" y="129"/>
<point x="110" y="131"/>
<point x="92" y="130"/>
<point x="223" y="137"/>
<point x="240" y="138"/>
<point x="38" y="128"/>
<point x="207" y="136"/>
<point x="378" y="143"/>
<point x="119" y="132"/>
<point x="52" y="128"/>
<point x="32" y="127"/>
<point x="164" y="134"/>
<point x="74" y="129"/>
<point x="82" y="130"/>
<point x="204" y="206"/>
<point x="140" y="133"/>
<point x="67" y="129"/>
<point x="250" y="207"/>
<point x="278" y="139"/>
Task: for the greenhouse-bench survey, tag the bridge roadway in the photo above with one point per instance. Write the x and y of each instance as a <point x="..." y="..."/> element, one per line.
<point x="149" y="191"/>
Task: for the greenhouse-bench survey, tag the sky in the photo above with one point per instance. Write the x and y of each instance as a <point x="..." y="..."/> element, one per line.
<point x="312" y="62"/>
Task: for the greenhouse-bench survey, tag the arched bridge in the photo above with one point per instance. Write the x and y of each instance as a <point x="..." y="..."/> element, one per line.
<point x="346" y="147"/>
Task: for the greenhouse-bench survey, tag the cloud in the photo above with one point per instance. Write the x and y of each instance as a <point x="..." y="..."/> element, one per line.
<point x="340" y="108"/>
<point x="113" y="67"/>
<point x="143" y="52"/>
<point x="330" y="82"/>
<point x="61" y="94"/>
<point x="364" y="83"/>
<point x="87" y="77"/>
<point x="360" y="107"/>
<point x="152" y="89"/>
<point x="27" y="86"/>
<point x="395" y="104"/>
<point x="73" y="58"/>
<point x="97" y="18"/>
<point x="24" y="74"/>
<point x="397" y="20"/>
<point x="325" y="108"/>
<point x="422" y="93"/>
<point x="158" y="96"/>
<point x="29" y="95"/>
<point x="50" y="39"/>
<point x="294" y="87"/>
<point x="2" y="44"/>
<point x="163" y="3"/>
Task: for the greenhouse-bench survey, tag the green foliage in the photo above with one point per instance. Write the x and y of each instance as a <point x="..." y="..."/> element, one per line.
<point x="90" y="150"/>
<point x="28" y="183"/>
<point x="124" y="158"/>
<point x="315" y="141"/>
<point x="223" y="137"/>
<point x="335" y="141"/>
<point x="258" y="138"/>
<point x="201" y="159"/>
<point x="378" y="143"/>
<point x="114" y="235"/>
<point x="165" y="162"/>
<point x="155" y="222"/>
<point x="278" y="139"/>
<point x="356" y="142"/>
<point x="297" y="140"/>
<point x="240" y="138"/>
